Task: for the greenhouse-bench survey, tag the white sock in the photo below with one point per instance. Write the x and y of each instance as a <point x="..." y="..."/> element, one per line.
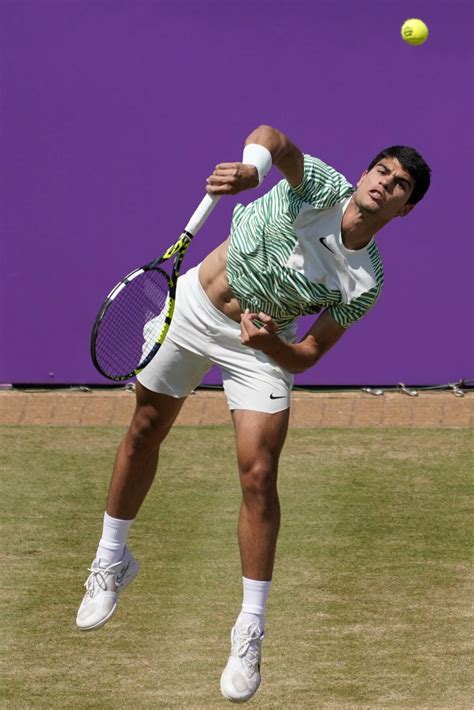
<point x="254" y="602"/>
<point x="113" y="540"/>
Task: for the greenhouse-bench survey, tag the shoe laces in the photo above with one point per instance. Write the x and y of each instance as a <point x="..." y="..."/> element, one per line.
<point x="248" y="639"/>
<point x="98" y="577"/>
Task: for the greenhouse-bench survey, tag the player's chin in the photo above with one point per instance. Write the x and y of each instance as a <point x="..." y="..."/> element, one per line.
<point x="367" y="204"/>
<point x="370" y="207"/>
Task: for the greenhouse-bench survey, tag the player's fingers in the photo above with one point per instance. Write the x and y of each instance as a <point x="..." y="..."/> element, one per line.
<point x="231" y="174"/>
<point x="268" y="322"/>
<point x="249" y="317"/>
<point x="219" y="187"/>
<point x="244" y="320"/>
<point x="222" y="184"/>
<point x="220" y="180"/>
<point x="228" y="167"/>
<point x="232" y="178"/>
<point x="228" y="175"/>
<point x="247" y="328"/>
<point x="244" y="334"/>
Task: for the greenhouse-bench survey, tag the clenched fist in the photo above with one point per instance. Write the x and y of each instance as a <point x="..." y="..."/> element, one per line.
<point x="264" y="338"/>
<point x="231" y="178"/>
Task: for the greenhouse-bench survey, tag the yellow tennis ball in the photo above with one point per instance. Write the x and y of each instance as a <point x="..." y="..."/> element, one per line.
<point x="414" y="31"/>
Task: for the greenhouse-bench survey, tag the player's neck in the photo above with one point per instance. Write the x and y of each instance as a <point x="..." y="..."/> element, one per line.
<point x="358" y="227"/>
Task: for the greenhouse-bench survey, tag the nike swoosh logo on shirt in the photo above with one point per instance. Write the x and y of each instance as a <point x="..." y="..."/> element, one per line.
<point x="272" y="396"/>
<point x="323" y="242"/>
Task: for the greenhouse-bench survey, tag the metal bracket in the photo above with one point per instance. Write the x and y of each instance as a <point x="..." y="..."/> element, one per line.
<point x="370" y="390"/>
<point x="403" y="388"/>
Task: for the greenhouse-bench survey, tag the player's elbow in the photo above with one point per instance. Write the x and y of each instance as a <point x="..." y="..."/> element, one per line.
<point x="273" y="139"/>
<point x="265" y="130"/>
<point x="306" y="361"/>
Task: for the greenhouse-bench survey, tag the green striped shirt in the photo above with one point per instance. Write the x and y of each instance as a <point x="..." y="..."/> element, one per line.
<point x="286" y="257"/>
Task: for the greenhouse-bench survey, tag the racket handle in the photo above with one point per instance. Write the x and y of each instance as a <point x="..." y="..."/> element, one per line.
<point x="201" y="214"/>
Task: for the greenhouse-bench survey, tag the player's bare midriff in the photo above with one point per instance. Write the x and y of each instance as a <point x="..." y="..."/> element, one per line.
<point x="213" y="279"/>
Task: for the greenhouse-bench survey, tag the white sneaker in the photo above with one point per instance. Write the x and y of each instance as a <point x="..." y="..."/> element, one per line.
<point x="103" y="586"/>
<point x="241" y="677"/>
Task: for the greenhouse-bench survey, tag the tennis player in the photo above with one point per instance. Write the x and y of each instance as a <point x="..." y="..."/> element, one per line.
<point x="306" y="246"/>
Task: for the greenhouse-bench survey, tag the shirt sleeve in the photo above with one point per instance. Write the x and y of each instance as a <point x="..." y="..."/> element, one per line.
<point x="322" y="186"/>
<point x="348" y="313"/>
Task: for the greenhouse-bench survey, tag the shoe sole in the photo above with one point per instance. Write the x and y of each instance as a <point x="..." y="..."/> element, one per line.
<point x="107" y="618"/>
<point x="238" y="700"/>
<point x="102" y="622"/>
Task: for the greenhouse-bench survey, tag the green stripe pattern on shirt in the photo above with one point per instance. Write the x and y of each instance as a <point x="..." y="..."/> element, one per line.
<point x="346" y="314"/>
<point x="263" y="238"/>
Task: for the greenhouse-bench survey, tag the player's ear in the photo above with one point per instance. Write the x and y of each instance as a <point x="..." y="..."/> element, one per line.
<point x="361" y="177"/>
<point x="406" y="209"/>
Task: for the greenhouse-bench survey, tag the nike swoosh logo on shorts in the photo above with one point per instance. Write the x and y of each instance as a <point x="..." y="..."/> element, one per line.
<point x="282" y="396"/>
<point x="323" y="242"/>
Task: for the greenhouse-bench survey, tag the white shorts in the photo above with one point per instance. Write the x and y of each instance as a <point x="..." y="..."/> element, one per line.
<point x="201" y="336"/>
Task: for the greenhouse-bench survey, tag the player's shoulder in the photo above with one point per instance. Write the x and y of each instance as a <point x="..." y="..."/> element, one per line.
<point x="322" y="185"/>
<point x="318" y="167"/>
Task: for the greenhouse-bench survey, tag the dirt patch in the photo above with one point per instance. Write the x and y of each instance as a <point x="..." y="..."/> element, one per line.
<point x="309" y="409"/>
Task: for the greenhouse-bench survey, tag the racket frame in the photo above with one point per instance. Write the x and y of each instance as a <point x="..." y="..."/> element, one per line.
<point x="178" y="249"/>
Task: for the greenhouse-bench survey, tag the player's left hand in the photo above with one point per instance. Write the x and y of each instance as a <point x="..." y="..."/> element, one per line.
<point x="264" y="338"/>
<point x="231" y="178"/>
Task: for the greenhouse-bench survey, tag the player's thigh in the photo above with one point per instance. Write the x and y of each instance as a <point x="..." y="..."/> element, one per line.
<point x="175" y="371"/>
<point x="154" y="413"/>
<point x="260" y="437"/>
<point x="252" y="381"/>
<point x="164" y="384"/>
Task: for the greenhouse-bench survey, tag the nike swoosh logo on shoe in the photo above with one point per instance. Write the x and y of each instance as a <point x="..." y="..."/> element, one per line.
<point x="121" y="575"/>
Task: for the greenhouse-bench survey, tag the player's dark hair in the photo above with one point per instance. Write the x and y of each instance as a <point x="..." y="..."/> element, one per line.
<point x="413" y="163"/>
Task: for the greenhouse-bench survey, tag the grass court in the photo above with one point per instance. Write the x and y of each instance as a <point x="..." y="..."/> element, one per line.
<point x="370" y="606"/>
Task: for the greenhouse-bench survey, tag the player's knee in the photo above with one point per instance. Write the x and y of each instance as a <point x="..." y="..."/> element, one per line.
<point x="147" y="429"/>
<point x="258" y="482"/>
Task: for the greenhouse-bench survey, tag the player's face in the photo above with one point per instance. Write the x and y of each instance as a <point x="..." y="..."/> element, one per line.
<point x="385" y="190"/>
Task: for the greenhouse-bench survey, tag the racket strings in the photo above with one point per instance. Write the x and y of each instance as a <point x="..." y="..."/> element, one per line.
<point x="132" y="324"/>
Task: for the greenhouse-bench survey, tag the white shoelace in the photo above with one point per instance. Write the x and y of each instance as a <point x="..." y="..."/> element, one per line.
<point x="97" y="576"/>
<point x="248" y="639"/>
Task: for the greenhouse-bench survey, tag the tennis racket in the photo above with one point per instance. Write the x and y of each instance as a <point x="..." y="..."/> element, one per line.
<point x="134" y="319"/>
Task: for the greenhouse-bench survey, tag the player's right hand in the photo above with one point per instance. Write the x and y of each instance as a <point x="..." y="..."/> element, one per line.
<point x="264" y="338"/>
<point x="231" y="178"/>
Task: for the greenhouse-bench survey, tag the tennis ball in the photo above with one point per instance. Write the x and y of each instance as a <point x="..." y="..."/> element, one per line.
<point x="414" y="31"/>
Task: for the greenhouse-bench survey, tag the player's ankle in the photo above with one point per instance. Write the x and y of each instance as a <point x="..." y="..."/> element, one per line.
<point x="245" y="618"/>
<point x="254" y="601"/>
<point x="105" y="557"/>
<point x="113" y="541"/>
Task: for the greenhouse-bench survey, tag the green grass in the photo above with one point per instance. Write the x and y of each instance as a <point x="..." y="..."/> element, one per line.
<point x="372" y="588"/>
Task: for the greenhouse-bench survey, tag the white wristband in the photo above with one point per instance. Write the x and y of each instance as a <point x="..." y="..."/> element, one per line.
<point x="258" y="155"/>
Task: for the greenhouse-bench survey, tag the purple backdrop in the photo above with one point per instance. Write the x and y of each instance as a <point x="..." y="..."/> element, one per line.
<point x="114" y="113"/>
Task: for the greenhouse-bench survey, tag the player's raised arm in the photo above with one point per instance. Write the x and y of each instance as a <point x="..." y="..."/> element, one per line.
<point x="264" y="147"/>
<point x="286" y="156"/>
